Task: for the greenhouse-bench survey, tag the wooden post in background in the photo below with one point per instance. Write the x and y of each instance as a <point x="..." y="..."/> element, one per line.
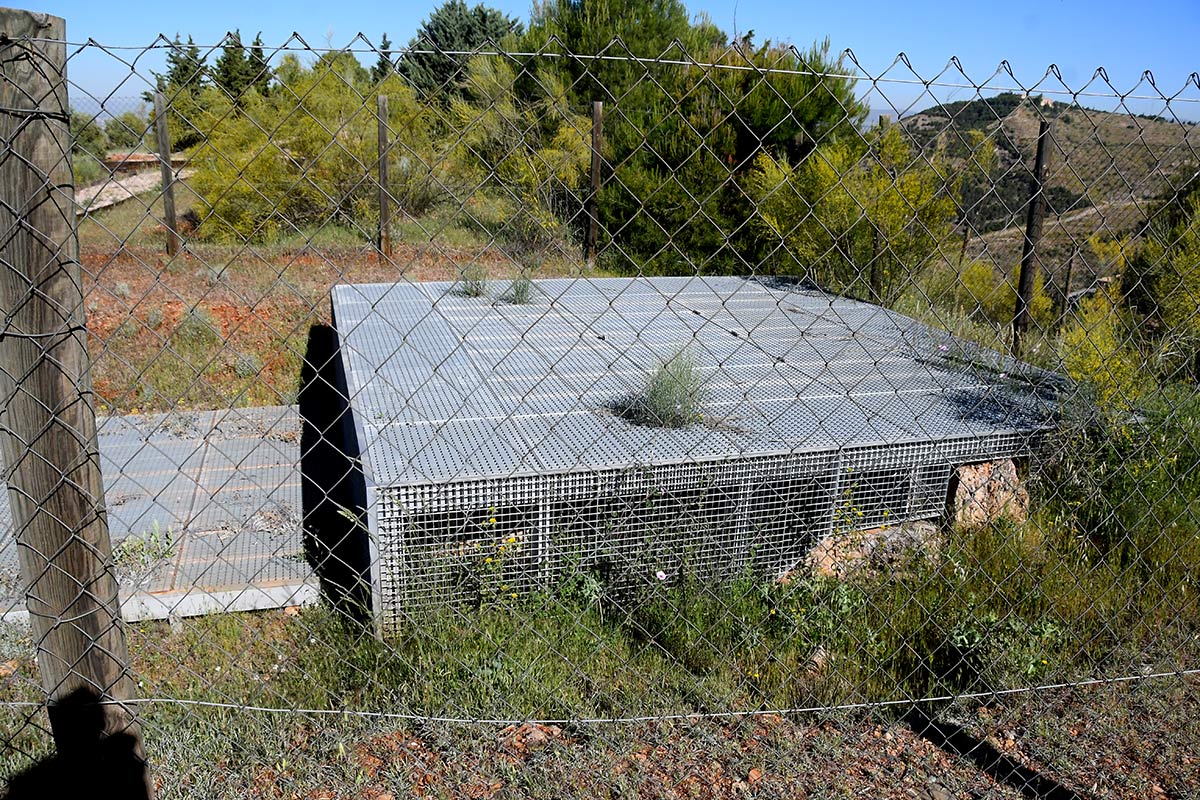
<point x="385" y="211"/>
<point x="1033" y="233"/>
<point x="1066" y="289"/>
<point x="47" y="419"/>
<point x="168" y="173"/>
<point x="593" y="202"/>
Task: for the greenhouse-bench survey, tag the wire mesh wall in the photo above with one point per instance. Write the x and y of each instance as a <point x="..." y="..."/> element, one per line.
<point x="528" y="421"/>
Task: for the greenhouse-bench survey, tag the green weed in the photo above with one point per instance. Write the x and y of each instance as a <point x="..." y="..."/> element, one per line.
<point x="472" y="281"/>
<point x="672" y="397"/>
<point x="137" y="553"/>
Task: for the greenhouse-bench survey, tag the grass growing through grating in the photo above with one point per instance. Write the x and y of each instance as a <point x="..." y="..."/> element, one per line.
<point x="521" y="291"/>
<point x="672" y="397"/>
<point x="472" y="281"/>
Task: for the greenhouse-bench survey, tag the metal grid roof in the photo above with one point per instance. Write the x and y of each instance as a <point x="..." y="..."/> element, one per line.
<point x="447" y="387"/>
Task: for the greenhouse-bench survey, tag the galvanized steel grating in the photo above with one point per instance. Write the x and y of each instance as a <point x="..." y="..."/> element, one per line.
<point x="492" y="449"/>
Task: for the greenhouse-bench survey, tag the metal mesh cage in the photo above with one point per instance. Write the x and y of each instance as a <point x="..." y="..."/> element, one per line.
<point x="495" y="458"/>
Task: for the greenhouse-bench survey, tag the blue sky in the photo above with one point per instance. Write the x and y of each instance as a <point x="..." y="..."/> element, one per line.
<point x="1122" y="37"/>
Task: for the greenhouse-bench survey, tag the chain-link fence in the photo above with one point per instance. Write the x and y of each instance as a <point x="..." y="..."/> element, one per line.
<point x="518" y="422"/>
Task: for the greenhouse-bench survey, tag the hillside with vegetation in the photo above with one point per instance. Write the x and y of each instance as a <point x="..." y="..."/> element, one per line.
<point x="1104" y="172"/>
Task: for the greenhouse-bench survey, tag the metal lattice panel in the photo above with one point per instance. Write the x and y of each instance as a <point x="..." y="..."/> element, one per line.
<point x="490" y="446"/>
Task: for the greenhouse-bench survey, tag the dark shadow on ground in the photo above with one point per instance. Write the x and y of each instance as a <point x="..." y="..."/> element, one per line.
<point x="956" y="739"/>
<point x="333" y="492"/>
<point x="90" y="764"/>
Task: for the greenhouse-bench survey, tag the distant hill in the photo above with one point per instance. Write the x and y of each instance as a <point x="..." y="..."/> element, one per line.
<point x="1104" y="172"/>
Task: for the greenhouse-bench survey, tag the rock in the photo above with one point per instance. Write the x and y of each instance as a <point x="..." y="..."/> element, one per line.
<point x="529" y="736"/>
<point x="988" y="492"/>
<point x="936" y="792"/>
<point x="842" y="554"/>
<point x="818" y="660"/>
<point x="898" y="543"/>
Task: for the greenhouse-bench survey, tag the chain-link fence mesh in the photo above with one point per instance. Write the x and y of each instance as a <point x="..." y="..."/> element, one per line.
<point x="504" y="423"/>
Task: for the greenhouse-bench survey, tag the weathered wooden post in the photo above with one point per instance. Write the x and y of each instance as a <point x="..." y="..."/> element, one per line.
<point x="1033" y="233"/>
<point x="385" y="211"/>
<point x="1066" y="289"/>
<point x="593" y="201"/>
<point x="168" y="173"/>
<point x="47" y="419"/>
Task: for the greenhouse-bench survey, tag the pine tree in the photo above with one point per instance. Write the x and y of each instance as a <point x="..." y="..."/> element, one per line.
<point x="181" y="84"/>
<point x="258" y="68"/>
<point x="192" y="68"/>
<point x="233" y="72"/>
<point x="185" y="69"/>
<point x="384" y="66"/>
<point x="453" y="27"/>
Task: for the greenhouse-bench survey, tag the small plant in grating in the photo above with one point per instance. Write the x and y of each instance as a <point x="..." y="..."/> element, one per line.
<point x="122" y="290"/>
<point x="137" y="554"/>
<point x="521" y="291"/>
<point x="672" y="397"/>
<point x="586" y="587"/>
<point x="472" y="281"/>
<point x="155" y="319"/>
<point x="482" y="560"/>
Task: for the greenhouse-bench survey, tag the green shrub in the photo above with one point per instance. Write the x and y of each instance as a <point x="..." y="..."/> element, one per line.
<point x="516" y="161"/>
<point x="87" y="169"/>
<point x="1096" y="353"/>
<point x="986" y="294"/>
<point x="861" y="217"/>
<point x="672" y="397"/>
<point x="126" y="131"/>
<point x="304" y="156"/>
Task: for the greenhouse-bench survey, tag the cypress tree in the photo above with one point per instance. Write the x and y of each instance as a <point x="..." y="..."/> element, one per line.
<point x="384" y="66"/>
<point x="452" y="27"/>
<point x="232" y="72"/>
<point x="259" y="69"/>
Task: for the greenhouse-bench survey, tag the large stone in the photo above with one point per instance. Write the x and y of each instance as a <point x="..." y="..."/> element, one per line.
<point x="841" y="554"/>
<point x="988" y="492"/>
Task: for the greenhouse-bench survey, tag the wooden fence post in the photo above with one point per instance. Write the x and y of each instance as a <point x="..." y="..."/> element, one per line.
<point x="385" y="211"/>
<point x="47" y="419"/>
<point x="593" y="200"/>
<point x="1066" y="289"/>
<point x="1033" y="233"/>
<point x="168" y="173"/>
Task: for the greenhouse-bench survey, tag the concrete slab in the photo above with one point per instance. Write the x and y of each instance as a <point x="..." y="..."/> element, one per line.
<point x="204" y="513"/>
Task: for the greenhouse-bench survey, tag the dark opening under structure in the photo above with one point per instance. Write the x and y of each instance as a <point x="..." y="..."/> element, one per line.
<point x="487" y="461"/>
